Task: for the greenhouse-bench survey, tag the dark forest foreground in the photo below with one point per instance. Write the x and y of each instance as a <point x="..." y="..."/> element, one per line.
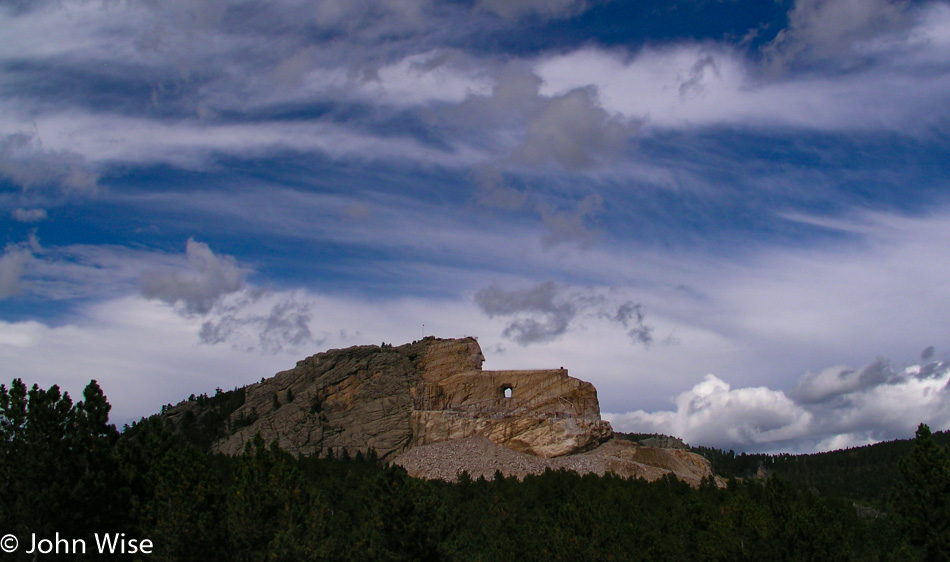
<point x="64" y="470"/>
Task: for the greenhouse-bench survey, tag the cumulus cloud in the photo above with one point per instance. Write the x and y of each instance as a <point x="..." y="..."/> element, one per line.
<point x="712" y="413"/>
<point x="214" y="289"/>
<point x="29" y="215"/>
<point x="25" y="162"/>
<point x="525" y="127"/>
<point x="572" y="130"/>
<point x="248" y="318"/>
<point x="835" y="29"/>
<point x="836" y="381"/>
<point x="12" y="264"/>
<point x="835" y="408"/>
<point x="544" y="315"/>
<point x="546" y="311"/>
<point x="210" y="278"/>
<point x="273" y="323"/>
<point x="561" y="227"/>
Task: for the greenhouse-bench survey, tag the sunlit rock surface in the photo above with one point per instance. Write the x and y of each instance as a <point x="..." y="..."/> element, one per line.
<point x="419" y="402"/>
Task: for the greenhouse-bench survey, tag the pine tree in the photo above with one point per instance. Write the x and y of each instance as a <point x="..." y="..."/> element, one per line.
<point x="272" y="513"/>
<point x="58" y="463"/>
<point x="921" y="502"/>
<point x="182" y="514"/>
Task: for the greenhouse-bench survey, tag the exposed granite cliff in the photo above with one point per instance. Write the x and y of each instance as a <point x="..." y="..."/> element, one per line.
<point x="545" y="413"/>
<point x="430" y="397"/>
<point x="392" y="398"/>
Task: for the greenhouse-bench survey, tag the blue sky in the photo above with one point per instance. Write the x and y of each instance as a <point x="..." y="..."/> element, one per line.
<point x="731" y="216"/>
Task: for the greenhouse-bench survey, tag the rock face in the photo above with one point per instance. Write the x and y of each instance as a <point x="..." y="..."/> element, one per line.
<point x="545" y="413"/>
<point x="393" y="398"/>
<point x="429" y="407"/>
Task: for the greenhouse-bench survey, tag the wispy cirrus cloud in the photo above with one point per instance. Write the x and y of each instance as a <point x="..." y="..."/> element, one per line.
<point x="515" y="9"/>
<point x="597" y="100"/>
<point x="885" y="52"/>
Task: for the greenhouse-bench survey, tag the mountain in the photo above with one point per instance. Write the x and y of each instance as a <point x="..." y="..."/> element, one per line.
<point x="430" y="407"/>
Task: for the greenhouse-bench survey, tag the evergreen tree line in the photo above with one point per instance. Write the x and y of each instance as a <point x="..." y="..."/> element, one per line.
<point x="865" y="475"/>
<point x="64" y="469"/>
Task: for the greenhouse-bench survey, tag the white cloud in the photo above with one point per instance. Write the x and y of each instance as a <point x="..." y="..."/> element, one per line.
<point x="546" y="311"/>
<point x="145" y="354"/>
<point x="12" y="264"/>
<point x="593" y="99"/>
<point x="26" y="162"/>
<point x="29" y="215"/>
<point x="675" y="86"/>
<point x="436" y="76"/>
<point x="88" y="271"/>
<point x="102" y="138"/>
<point x="835" y="29"/>
<point x="142" y="353"/>
<point x="572" y="130"/>
<point x="256" y="320"/>
<point x="714" y="414"/>
<point x="562" y="227"/>
<point x="210" y="278"/>
<point x="884" y="293"/>
<point x="887" y="405"/>
<point x="711" y="84"/>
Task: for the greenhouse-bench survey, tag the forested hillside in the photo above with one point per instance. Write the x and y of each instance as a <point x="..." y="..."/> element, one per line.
<point x="64" y="469"/>
<point x="861" y="474"/>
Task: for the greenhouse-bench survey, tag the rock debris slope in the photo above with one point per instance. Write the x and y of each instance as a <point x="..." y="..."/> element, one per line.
<point x="429" y="406"/>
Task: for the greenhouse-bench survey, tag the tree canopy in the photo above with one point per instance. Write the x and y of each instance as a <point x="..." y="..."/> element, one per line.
<point x="64" y="469"/>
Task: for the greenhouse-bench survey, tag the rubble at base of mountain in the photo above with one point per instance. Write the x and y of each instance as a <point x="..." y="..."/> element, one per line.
<point x="480" y="457"/>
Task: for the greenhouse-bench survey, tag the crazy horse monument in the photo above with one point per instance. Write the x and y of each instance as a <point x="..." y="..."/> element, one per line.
<point x="429" y="406"/>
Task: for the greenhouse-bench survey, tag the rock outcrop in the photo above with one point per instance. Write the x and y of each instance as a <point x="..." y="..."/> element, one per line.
<point x="545" y="413"/>
<point x="430" y="407"/>
<point x="392" y="398"/>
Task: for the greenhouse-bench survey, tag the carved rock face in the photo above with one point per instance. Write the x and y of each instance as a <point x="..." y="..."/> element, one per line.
<point x="392" y="398"/>
<point x="545" y="413"/>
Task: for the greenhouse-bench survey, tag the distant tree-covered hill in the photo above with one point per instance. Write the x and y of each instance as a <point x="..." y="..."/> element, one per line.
<point x="864" y="475"/>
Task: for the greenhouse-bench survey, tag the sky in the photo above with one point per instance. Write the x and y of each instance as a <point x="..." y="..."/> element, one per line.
<point x="731" y="216"/>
